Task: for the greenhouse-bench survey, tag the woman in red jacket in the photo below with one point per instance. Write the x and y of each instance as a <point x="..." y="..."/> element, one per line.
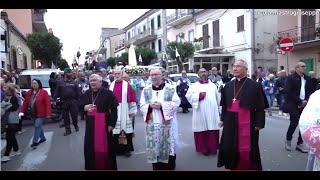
<point x="37" y="103"/>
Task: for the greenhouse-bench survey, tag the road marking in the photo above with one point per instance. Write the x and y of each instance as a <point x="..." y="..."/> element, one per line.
<point x="3" y="144"/>
<point x="142" y="152"/>
<point x="37" y="156"/>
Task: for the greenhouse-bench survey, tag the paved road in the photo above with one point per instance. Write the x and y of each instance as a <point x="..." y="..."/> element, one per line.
<point x="66" y="153"/>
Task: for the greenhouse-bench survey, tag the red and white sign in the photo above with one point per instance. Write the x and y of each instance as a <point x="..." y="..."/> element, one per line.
<point x="286" y="44"/>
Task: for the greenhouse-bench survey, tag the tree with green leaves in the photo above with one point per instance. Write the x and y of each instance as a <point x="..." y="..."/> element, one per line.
<point x="147" y="55"/>
<point x="62" y="64"/>
<point x="186" y="50"/>
<point x="44" y="47"/>
<point x="123" y="58"/>
<point x="112" y="61"/>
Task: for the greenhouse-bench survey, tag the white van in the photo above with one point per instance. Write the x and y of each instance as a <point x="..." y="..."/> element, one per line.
<point x="43" y="75"/>
<point x="193" y="77"/>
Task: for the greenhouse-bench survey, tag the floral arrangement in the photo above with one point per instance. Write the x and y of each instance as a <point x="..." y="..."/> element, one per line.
<point x="135" y="70"/>
<point x="312" y="138"/>
<point x="200" y="39"/>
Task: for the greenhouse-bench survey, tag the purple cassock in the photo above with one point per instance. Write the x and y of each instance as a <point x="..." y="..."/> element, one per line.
<point x="243" y="123"/>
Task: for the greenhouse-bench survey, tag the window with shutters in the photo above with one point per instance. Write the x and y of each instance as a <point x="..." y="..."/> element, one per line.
<point x="240" y="23"/>
<point x="215" y="33"/>
<point x="159" y="21"/>
<point x="14" y="58"/>
<point x="308" y="26"/>
<point x="152" y="24"/>
<point x="191" y="36"/>
<point x="25" y="61"/>
<point x="159" y="45"/>
<point x="205" y="35"/>
<point x="153" y="46"/>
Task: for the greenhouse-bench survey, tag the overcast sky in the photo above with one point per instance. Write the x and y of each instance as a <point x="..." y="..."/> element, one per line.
<point x="82" y="27"/>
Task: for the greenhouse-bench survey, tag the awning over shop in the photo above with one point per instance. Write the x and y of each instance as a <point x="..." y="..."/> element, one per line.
<point x="212" y="55"/>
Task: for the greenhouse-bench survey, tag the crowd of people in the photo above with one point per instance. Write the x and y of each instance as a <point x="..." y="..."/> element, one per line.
<point x="109" y="101"/>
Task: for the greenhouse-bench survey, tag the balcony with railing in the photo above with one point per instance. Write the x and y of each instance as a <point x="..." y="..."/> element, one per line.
<point x="143" y="37"/>
<point x="178" y="18"/>
<point x="120" y="46"/>
<point x="38" y="21"/>
<point x="38" y="17"/>
<point x="205" y="45"/>
<point x="302" y="35"/>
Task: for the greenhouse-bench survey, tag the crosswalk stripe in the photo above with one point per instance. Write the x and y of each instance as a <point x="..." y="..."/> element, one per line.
<point x="37" y="156"/>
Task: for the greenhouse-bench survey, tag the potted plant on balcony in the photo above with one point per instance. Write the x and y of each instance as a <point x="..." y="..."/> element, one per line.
<point x="181" y="35"/>
<point x="198" y="43"/>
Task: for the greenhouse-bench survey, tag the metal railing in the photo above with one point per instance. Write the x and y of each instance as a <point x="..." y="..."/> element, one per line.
<point x="142" y="35"/>
<point x="300" y="34"/>
<point x="119" y="46"/>
<point x="182" y="13"/>
<point x="38" y="17"/>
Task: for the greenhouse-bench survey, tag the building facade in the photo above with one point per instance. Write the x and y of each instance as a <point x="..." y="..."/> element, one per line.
<point x="3" y="43"/>
<point x="18" y="55"/>
<point x="181" y="28"/>
<point x="302" y="28"/>
<point x="265" y="36"/>
<point x="149" y="30"/>
<point x="22" y="19"/>
<point x="107" y="46"/>
<point x="222" y="35"/>
<point x="118" y="44"/>
<point x="19" y="23"/>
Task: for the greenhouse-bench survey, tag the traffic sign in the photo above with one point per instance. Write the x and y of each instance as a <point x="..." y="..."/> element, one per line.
<point x="286" y="44"/>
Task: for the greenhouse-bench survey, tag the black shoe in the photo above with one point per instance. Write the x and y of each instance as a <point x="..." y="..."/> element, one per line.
<point x="41" y="141"/>
<point x="206" y="153"/>
<point x="127" y="154"/>
<point x="34" y="145"/>
<point x="67" y="133"/>
<point x="77" y="128"/>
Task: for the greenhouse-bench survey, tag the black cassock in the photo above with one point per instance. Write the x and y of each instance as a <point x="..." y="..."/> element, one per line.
<point x="251" y="97"/>
<point x="182" y="91"/>
<point x="106" y="103"/>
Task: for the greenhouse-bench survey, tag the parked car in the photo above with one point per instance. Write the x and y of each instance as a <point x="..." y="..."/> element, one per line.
<point x="43" y="75"/>
<point x="193" y="77"/>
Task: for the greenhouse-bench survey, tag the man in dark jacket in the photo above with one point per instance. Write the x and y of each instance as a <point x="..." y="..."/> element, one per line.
<point x="280" y="92"/>
<point x="52" y="83"/>
<point x="68" y="92"/>
<point x="298" y="89"/>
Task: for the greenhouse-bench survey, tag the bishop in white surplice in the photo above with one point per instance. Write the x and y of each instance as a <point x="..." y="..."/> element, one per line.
<point x="205" y="99"/>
